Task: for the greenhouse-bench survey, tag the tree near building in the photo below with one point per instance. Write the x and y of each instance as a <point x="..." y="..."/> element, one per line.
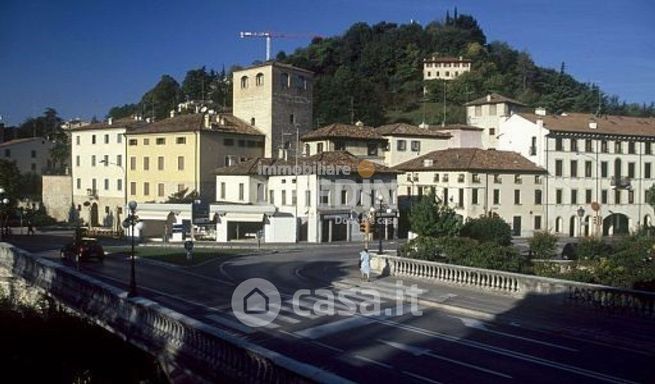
<point x="430" y="219"/>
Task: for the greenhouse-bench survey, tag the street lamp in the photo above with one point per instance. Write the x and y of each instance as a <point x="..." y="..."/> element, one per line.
<point x="131" y="221"/>
<point x="580" y="212"/>
<point x="4" y="205"/>
<point x="379" y="224"/>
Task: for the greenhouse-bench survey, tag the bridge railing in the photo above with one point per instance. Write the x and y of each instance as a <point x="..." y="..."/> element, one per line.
<point x="206" y="352"/>
<point x="515" y="284"/>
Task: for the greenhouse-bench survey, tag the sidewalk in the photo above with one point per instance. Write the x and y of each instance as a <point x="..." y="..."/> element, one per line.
<point x="536" y="312"/>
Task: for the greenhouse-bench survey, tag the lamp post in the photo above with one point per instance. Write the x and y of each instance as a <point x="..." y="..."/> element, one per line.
<point x="131" y="220"/>
<point x="4" y="205"/>
<point x="580" y="212"/>
<point x="379" y="224"/>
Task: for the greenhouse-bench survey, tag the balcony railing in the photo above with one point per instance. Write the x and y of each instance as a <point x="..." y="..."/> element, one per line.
<point x="621" y="182"/>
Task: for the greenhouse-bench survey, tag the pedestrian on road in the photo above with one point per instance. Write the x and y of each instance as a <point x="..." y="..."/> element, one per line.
<point x="365" y="264"/>
<point x="30" y="227"/>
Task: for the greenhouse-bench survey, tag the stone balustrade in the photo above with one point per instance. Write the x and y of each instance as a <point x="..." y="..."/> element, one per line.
<point x="519" y="285"/>
<point x="203" y="352"/>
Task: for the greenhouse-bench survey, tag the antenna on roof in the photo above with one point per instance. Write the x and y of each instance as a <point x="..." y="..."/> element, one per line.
<point x="443" y="122"/>
<point x="600" y="101"/>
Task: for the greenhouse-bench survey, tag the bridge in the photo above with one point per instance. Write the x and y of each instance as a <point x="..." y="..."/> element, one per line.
<point x="475" y="325"/>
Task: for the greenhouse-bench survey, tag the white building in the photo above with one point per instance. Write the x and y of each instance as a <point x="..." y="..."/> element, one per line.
<point x="601" y="162"/>
<point x="358" y="139"/>
<point x="488" y="113"/>
<point x="406" y="141"/>
<point x="98" y="171"/>
<point x="31" y="155"/>
<point x="329" y="196"/>
<point x="445" y="68"/>
<point x="477" y="182"/>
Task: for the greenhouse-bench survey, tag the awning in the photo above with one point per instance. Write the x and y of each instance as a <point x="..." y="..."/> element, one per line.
<point x="248" y="217"/>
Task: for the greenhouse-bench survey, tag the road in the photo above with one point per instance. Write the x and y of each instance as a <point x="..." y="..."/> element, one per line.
<point x="438" y="346"/>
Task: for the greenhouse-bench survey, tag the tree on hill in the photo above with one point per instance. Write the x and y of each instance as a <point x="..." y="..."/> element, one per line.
<point x="161" y="99"/>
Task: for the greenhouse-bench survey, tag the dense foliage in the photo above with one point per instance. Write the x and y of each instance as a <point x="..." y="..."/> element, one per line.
<point x="373" y="73"/>
<point x="430" y="219"/>
<point x="488" y="229"/>
<point x="543" y="244"/>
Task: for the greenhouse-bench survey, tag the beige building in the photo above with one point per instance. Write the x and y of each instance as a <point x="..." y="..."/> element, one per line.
<point x="358" y="139"/>
<point x="181" y="153"/>
<point x="98" y="171"/>
<point x="406" y="142"/>
<point x="31" y="155"/>
<point x="488" y="113"/>
<point x="445" y="68"/>
<point x="276" y="99"/>
<point x="478" y="182"/>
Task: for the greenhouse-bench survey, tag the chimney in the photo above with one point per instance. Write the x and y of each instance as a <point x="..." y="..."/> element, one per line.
<point x="147" y="120"/>
<point x="540" y="111"/>
<point x="461" y="58"/>
<point x="359" y="123"/>
<point x="428" y="162"/>
<point x="424" y="125"/>
<point x="172" y="113"/>
<point x="110" y="120"/>
<point x="488" y="97"/>
<point x="540" y="123"/>
<point x="207" y="122"/>
<point x="593" y="124"/>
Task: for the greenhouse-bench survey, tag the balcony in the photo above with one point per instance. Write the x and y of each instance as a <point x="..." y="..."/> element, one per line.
<point x="621" y="182"/>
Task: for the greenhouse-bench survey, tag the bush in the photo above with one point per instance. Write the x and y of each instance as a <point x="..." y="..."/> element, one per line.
<point x="543" y="245"/>
<point x="422" y="248"/>
<point x="488" y="229"/>
<point x="494" y="256"/>
<point x="591" y="248"/>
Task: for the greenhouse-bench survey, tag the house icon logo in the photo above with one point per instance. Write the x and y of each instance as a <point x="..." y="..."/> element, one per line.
<point x="256" y="302"/>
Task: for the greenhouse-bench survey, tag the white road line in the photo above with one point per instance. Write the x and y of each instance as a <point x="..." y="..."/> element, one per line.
<point x="508" y="353"/>
<point x="335" y="349"/>
<point x="335" y="326"/>
<point x="287" y="319"/>
<point x="414" y="375"/>
<point x="229" y="323"/>
<point x="472" y="366"/>
<point x="479" y="325"/>
<point x="290" y="334"/>
<point x="371" y="361"/>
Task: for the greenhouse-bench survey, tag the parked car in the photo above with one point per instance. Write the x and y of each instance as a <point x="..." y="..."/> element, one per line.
<point x="84" y="249"/>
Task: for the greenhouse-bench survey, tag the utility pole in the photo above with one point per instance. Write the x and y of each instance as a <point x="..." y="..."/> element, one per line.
<point x="443" y="123"/>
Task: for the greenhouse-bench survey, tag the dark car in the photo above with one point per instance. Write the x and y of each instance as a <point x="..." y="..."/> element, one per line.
<point x="84" y="249"/>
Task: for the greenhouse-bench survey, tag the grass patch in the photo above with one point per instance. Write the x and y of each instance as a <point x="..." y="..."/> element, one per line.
<point x="177" y="255"/>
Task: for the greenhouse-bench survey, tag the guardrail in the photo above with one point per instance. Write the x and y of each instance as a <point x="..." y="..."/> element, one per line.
<point x="206" y="352"/>
<point x="615" y="299"/>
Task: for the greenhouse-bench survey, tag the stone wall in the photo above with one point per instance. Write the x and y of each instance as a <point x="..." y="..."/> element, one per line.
<point x="57" y="196"/>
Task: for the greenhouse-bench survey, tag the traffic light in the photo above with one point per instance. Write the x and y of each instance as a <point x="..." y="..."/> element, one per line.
<point x="364" y="225"/>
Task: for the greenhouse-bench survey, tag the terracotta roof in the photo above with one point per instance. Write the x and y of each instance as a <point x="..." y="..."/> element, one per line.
<point x="494" y="98"/>
<point x="446" y="60"/>
<point x="126" y="122"/>
<point x="343" y="131"/>
<point x="472" y="160"/>
<point x="607" y="125"/>
<point x="455" y="127"/>
<point x="224" y="123"/>
<point x="21" y="141"/>
<point x="402" y="129"/>
<point x="332" y="158"/>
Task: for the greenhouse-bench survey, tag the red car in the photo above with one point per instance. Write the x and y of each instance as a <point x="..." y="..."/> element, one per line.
<point x="84" y="249"/>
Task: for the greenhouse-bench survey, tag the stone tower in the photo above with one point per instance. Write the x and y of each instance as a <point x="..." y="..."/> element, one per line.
<point x="276" y="98"/>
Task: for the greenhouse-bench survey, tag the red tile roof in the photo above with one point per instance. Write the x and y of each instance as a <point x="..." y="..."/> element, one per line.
<point x="472" y="160"/>
<point x="494" y="98"/>
<point x="343" y="131"/>
<point x="224" y="123"/>
<point x="402" y="129"/>
<point x="607" y="125"/>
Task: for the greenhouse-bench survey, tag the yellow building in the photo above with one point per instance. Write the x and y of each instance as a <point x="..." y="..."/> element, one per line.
<point x="181" y="153"/>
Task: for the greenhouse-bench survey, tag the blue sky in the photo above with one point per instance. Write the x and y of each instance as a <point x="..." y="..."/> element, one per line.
<point x="82" y="57"/>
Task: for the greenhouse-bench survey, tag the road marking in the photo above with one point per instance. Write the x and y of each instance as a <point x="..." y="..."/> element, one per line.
<point x="290" y="334"/>
<point x="479" y="325"/>
<point x="230" y="323"/>
<point x="422" y="351"/>
<point x="335" y="326"/>
<point x="286" y="319"/>
<point x="335" y="349"/>
<point x="414" y="375"/>
<point x="508" y="353"/>
<point x="371" y="361"/>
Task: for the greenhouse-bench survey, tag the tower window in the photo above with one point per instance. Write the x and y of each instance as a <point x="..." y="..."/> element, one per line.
<point x="244" y="82"/>
<point x="259" y="79"/>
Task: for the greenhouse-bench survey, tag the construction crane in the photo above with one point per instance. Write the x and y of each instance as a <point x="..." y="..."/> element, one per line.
<point x="269" y="37"/>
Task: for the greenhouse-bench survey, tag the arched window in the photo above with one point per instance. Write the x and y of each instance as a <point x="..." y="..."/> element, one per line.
<point x="307" y="149"/>
<point x="284" y="80"/>
<point x="302" y="82"/>
<point x="558" y="224"/>
<point x="244" y="81"/>
<point x="259" y="79"/>
<point x="647" y="221"/>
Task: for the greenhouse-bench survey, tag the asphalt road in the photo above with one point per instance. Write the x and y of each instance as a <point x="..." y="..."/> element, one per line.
<point x="435" y="347"/>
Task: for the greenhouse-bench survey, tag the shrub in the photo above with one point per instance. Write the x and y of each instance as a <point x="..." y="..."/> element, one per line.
<point x="591" y="248"/>
<point x="430" y="219"/>
<point x="543" y="244"/>
<point x="422" y="248"/>
<point x="494" y="256"/>
<point x="488" y="229"/>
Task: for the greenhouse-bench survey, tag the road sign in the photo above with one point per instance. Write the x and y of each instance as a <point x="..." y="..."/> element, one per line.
<point x="188" y="245"/>
<point x="595" y="206"/>
<point x="386" y="215"/>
